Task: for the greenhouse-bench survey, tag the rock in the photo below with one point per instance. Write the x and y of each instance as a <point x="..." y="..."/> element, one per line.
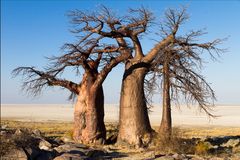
<point x="231" y="143"/>
<point x="37" y="133"/>
<point x="236" y="149"/>
<point x="45" y="155"/>
<point x="236" y="156"/>
<point x="72" y="148"/>
<point x="164" y="158"/>
<point x="149" y="155"/>
<point x="68" y="156"/>
<point x="196" y="157"/>
<point x="3" y="133"/>
<point x="33" y="153"/>
<point x="58" y="140"/>
<point x="179" y="157"/>
<point x="4" y="126"/>
<point x="95" y="153"/>
<point x="63" y="148"/>
<point x="66" y="139"/>
<point x="18" y="154"/>
<point x="18" y="131"/>
<point x="45" y="145"/>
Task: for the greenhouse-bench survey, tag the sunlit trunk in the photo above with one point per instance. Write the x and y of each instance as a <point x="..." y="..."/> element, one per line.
<point x="89" y="113"/>
<point x="134" y="124"/>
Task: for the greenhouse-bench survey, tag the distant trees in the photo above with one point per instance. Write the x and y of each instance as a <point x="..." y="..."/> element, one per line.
<point x="104" y="41"/>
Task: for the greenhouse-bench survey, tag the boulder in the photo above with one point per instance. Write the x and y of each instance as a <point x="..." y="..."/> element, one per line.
<point x="164" y="158"/>
<point x="95" y="153"/>
<point x="70" y="146"/>
<point x="177" y="156"/>
<point x="4" y="127"/>
<point x="66" y="139"/>
<point x="18" y="154"/>
<point x="231" y="143"/>
<point x="45" y="145"/>
<point x="68" y="156"/>
<point x="58" y="140"/>
<point x="18" y="131"/>
<point x="77" y="150"/>
<point x="37" y="133"/>
<point x="236" y="149"/>
<point x="3" y="133"/>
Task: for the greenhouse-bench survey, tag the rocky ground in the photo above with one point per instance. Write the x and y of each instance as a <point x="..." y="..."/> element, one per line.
<point x="31" y="144"/>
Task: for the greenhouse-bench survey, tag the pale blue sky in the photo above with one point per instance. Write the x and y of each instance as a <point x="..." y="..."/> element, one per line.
<point x="31" y="30"/>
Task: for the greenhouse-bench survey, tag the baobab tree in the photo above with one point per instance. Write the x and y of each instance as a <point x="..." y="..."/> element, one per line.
<point x="178" y="67"/>
<point x="134" y="127"/>
<point x="134" y="122"/>
<point x="92" y="56"/>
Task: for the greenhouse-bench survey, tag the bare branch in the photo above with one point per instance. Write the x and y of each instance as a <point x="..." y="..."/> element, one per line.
<point x="35" y="80"/>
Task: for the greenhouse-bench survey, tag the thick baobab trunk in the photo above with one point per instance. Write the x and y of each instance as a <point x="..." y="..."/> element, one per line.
<point x="89" y="113"/>
<point x="166" y="123"/>
<point x="134" y="127"/>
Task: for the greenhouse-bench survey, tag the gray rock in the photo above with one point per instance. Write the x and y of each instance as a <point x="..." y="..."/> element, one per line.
<point x="236" y="149"/>
<point x="95" y="153"/>
<point x="66" y="139"/>
<point x="58" y="140"/>
<point x="45" y="145"/>
<point x="18" y="154"/>
<point x="37" y="133"/>
<point x="63" y="148"/>
<point x="68" y="156"/>
<point x="18" y="131"/>
<point x="179" y="156"/>
<point x="165" y="158"/>
<point x="236" y="156"/>
<point x="231" y="143"/>
<point x="72" y="148"/>
<point x="3" y="133"/>
<point x="4" y="126"/>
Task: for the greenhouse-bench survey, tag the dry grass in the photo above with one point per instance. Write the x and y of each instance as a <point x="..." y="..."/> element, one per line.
<point x="52" y="127"/>
<point x="48" y="128"/>
<point x="211" y="131"/>
<point x="200" y="132"/>
<point x="60" y="128"/>
<point x="177" y="143"/>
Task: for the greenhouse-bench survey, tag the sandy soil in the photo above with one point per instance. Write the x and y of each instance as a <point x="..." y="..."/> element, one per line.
<point x="228" y="115"/>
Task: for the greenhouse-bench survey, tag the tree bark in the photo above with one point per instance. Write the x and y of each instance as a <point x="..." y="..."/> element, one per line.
<point x="89" y="113"/>
<point x="166" y="124"/>
<point x="134" y="127"/>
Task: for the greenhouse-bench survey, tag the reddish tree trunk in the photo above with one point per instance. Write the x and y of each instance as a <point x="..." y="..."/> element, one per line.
<point x="134" y="124"/>
<point x="166" y="123"/>
<point x="89" y="113"/>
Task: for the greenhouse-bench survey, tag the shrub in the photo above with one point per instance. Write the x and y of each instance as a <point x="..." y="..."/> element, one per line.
<point x="202" y="148"/>
<point x="175" y="144"/>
